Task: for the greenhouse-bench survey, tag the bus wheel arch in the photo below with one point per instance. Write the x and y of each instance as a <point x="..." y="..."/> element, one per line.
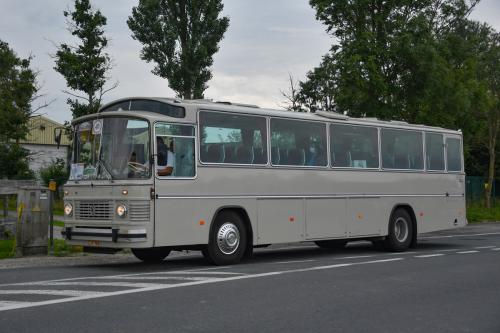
<point x="397" y="210"/>
<point x="236" y="216"/>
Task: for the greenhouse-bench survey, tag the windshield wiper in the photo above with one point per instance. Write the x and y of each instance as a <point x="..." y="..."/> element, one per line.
<point x="102" y="165"/>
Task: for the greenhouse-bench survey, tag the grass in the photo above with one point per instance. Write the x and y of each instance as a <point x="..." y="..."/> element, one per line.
<point x="476" y="212"/>
<point x="61" y="249"/>
<point x="7" y="248"/>
<point x="58" y="223"/>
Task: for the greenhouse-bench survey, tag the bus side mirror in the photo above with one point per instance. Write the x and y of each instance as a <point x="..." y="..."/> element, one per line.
<point x="57" y="135"/>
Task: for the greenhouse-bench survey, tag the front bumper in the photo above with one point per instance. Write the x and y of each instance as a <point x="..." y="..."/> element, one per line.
<point x="114" y="235"/>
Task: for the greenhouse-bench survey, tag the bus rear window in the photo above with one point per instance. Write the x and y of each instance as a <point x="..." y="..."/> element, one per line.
<point x="453" y="155"/>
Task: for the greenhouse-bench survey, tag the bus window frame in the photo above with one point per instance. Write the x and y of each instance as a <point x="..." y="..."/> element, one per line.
<point x="444" y="152"/>
<point x="155" y="152"/>
<point x="288" y="166"/>
<point x="379" y="157"/>
<point x="260" y="166"/>
<point x="461" y="152"/>
<point x="407" y="130"/>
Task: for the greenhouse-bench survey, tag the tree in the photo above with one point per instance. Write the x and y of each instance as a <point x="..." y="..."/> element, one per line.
<point x="386" y="62"/>
<point x="85" y="66"/>
<point x="18" y="90"/>
<point x="489" y="71"/>
<point x="180" y="37"/>
<point x="57" y="171"/>
<point x="292" y="102"/>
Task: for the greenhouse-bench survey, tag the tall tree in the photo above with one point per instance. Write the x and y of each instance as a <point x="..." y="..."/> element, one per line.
<point x="18" y="90"/>
<point x="180" y="37"/>
<point x="86" y="65"/>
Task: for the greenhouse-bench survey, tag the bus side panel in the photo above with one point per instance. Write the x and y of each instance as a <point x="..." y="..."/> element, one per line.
<point x="366" y="217"/>
<point x="280" y="220"/>
<point x="326" y="218"/>
<point x="186" y="221"/>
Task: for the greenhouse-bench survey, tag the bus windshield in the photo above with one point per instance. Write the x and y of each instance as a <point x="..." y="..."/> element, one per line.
<point x="111" y="148"/>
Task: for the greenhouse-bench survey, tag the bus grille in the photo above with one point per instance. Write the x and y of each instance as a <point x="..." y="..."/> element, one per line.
<point x="94" y="210"/>
<point x="139" y="210"/>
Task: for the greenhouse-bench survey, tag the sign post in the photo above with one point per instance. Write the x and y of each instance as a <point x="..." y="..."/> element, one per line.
<point x="52" y="189"/>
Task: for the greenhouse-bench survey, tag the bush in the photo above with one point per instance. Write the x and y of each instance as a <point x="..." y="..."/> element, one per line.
<point x="57" y="171"/>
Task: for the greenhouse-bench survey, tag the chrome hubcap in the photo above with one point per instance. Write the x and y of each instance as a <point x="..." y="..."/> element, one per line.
<point x="228" y="238"/>
<point x="401" y="229"/>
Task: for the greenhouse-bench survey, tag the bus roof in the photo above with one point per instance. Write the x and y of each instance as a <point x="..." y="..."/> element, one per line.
<point x="192" y="106"/>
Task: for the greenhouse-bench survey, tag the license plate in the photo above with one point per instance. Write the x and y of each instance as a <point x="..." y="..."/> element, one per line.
<point x="94" y="243"/>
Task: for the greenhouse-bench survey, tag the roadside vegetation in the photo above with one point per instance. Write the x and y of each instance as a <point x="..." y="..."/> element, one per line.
<point x="476" y="212"/>
<point x="61" y="248"/>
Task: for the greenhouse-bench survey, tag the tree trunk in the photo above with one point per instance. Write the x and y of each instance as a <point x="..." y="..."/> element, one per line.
<point x="492" y="140"/>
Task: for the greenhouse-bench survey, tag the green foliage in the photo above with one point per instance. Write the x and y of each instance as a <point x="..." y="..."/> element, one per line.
<point x="7" y="248"/>
<point x="57" y="171"/>
<point x="14" y="162"/>
<point x="17" y="89"/>
<point x="476" y="212"/>
<point x="85" y="66"/>
<point x="62" y="249"/>
<point x="180" y="37"/>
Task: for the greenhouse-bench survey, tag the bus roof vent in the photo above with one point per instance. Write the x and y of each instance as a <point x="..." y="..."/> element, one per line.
<point x="332" y="115"/>
<point x="239" y="104"/>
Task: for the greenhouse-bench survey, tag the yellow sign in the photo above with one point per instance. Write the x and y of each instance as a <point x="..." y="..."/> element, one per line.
<point x="52" y="186"/>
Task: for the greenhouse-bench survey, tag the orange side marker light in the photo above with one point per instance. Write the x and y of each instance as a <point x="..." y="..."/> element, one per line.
<point x="291" y="219"/>
<point x="202" y="222"/>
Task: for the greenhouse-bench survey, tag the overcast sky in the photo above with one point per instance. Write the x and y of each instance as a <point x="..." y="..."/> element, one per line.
<point x="266" y="40"/>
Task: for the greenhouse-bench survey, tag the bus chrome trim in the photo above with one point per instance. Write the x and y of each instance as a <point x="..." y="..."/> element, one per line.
<point x="328" y="196"/>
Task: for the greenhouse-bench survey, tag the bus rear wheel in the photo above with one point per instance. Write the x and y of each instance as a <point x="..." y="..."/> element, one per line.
<point x="227" y="240"/>
<point x="331" y="244"/>
<point x="400" y="231"/>
<point x="153" y="254"/>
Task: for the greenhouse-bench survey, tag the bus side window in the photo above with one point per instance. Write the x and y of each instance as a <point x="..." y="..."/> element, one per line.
<point x="434" y="149"/>
<point x="232" y="139"/>
<point x="354" y="146"/>
<point x="402" y="149"/>
<point x="296" y="142"/>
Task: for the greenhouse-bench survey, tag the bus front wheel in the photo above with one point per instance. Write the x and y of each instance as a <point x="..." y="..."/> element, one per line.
<point x="227" y="241"/>
<point x="153" y="254"/>
<point x="400" y="231"/>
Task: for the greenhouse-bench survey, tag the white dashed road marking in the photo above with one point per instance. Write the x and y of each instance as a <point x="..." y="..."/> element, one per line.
<point x="430" y="255"/>
<point x="465" y="252"/>
<point x="69" y="293"/>
<point x="291" y="261"/>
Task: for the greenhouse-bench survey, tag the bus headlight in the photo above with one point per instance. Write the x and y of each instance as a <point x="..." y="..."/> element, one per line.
<point x="68" y="209"/>
<point x="121" y="210"/>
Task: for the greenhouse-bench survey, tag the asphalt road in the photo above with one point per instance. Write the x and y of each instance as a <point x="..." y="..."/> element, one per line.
<point x="449" y="283"/>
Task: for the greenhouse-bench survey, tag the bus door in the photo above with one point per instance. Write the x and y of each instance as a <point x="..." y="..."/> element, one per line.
<point x="175" y="170"/>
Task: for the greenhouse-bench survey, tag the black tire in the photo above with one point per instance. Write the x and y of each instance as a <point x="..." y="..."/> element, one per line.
<point x="153" y="254"/>
<point x="332" y="244"/>
<point x="400" y="232"/>
<point x="227" y="240"/>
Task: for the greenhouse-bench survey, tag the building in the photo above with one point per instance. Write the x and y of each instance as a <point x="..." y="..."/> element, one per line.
<point x="41" y="144"/>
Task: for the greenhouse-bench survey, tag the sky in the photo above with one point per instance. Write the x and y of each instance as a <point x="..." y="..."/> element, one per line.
<point x="266" y="41"/>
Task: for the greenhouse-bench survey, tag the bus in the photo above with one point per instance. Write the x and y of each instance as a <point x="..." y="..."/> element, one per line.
<point x="162" y="174"/>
